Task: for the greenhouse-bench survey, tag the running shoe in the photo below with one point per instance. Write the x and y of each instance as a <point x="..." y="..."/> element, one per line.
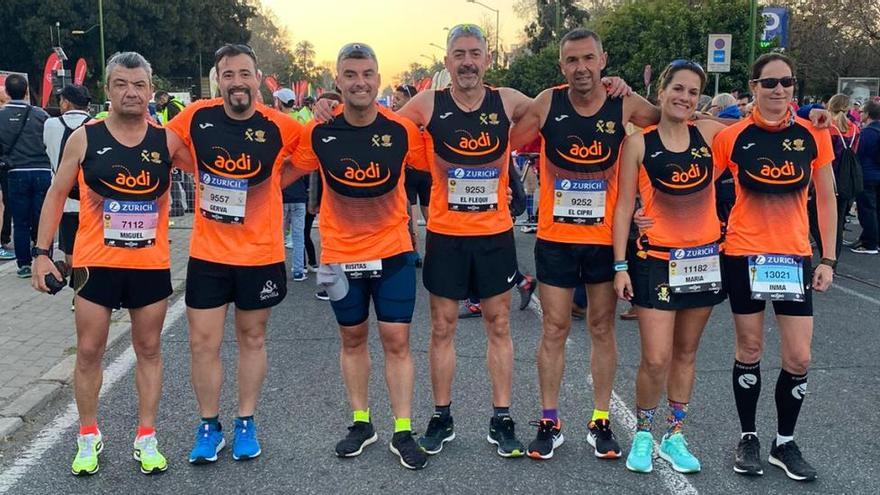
<point x="602" y="439"/>
<point x="322" y="295"/>
<point x="360" y="434"/>
<point x="300" y="277"/>
<point x="244" y="440"/>
<point x="24" y="272"/>
<point x="502" y="434"/>
<point x="549" y="438"/>
<point x="863" y="250"/>
<point x="86" y="460"/>
<point x="578" y="313"/>
<point x="528" y="229"/>
<point x="526" y="289"/>
<point x="748" y="456"/>
<point x="629" y="315"/>
<point x="441" y="429"/>
<point x="209" y="442"/>
<point x="641" y="453"/>
<point x="673" y="449"/>
<point x="146" y="451"/>
<point x="313" y="268"/>
<point x="405" y="447"/>
<point x="788" y="457"/>
<point x="6" y="254"/>
<point x="470" y="310"/>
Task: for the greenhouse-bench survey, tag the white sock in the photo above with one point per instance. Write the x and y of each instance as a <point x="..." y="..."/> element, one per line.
<point x="781" y="439"/>
<point x="743" y="434"/>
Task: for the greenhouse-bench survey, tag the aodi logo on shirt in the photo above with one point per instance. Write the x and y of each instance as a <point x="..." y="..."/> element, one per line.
<point x="771" y="173"/>
<point x="357" y="176"/>
<point x="127" y="183"/>
<point x="595" y="152"/>
<point x="233" y="167"/>
<point x="470" y="145"/>
<point x="688" y="178"/>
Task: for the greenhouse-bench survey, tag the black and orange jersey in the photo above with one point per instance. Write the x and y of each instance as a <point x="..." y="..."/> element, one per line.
<point x="772" y="172"/>
<point x="678" y="192"/>
<point x="364" y="209"/>
<point x="124" y="201"/>
<point x="469" y="153"/>
<point x="579" y="171"/>
<point x="238" y="170"/>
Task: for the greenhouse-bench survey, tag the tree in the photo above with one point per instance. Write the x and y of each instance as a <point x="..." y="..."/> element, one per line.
<point x="657" y="32"/>
<point x="530" y="74"/>
<point x="272" y="44"/>
<point x="304" y="55"/>
<point x="551" y="20"/>
<point x="418" y="71"/>
<point x="178" y="38"/>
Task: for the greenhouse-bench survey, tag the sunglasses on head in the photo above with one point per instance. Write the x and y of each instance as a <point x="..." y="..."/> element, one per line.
<point x="356" y="49"/>
<point x="471" y="29"/>
<point x="405" y="89"/>
<point x="771" y="82"/>
<point x="234" y="47"/>
<point x="687" y="64"/>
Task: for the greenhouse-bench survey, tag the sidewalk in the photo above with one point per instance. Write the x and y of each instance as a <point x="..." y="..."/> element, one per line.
<point x="38" y="339"/>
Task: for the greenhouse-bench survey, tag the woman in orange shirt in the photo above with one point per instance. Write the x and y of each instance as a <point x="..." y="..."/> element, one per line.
<point x="676" y="277"/>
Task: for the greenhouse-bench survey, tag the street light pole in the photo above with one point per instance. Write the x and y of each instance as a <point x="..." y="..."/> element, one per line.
<point x="497" y="26"/>
<point x="101" y="34"/>
<point x="753" y="19"/>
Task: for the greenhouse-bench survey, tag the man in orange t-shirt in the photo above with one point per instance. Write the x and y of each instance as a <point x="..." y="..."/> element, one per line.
<point x="236" y="251"/>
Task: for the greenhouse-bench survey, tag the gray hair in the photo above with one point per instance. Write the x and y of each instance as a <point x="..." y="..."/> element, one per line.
<point x="129" y="60"/>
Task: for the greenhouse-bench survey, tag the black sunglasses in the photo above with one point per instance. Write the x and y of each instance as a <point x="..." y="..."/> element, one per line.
<point x="771" y="82"/>
<point x="356" y="50"/>
<point x="234" y="47"/>
<point x="471" y="29"/>
<point x="687" y="64"/>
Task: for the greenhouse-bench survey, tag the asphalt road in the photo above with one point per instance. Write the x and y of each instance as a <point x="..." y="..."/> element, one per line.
<point x="304" y="412"/>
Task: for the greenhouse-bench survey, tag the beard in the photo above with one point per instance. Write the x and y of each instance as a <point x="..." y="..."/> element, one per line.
<point x="239" y="107"/>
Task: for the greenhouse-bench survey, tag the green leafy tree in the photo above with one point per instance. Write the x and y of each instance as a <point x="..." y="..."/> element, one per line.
<point x="550" y="19"/>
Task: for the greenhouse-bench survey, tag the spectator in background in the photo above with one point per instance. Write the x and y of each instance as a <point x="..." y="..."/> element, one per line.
<point x="74" y="102"/>
<point x="30" y="173"/>
<point x="721" y="102"/>
<point x="855" y="113"/>
<point x="742" y="101"/>
<point x="5" y="215"/>
<point x="867" y="202"/>
<point x="285" y="101"/>
<point x="105" y="109"/>
<point x="295" y="197"/>
<point x="167" y="106"/>
<point x="304" y="114"/>
<point x="704" y="103"/>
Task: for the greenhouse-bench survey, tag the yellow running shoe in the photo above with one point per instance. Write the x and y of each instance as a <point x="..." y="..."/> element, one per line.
<point x="146" y="450"/>
<point x="86" y="460"/>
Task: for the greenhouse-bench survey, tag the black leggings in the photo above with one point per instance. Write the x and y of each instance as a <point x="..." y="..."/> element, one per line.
<point x="311" y="259"/>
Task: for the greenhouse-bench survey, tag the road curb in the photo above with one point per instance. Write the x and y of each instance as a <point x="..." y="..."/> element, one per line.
<point x="53" y="382"/>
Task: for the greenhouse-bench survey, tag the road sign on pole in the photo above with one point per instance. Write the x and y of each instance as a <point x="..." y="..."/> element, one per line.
<point x="719" y="53"/>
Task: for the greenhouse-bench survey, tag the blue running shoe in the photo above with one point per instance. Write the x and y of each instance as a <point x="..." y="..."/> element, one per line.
<point x="673" y="449"/>
<point x="641" y="454"/>
<point x="244" y="441"/>
<point x="209" y="443"/>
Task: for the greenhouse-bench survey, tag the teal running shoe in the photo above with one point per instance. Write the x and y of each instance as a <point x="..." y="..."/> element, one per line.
<point x="673" y="449"/>
<point x="641" y="454"/>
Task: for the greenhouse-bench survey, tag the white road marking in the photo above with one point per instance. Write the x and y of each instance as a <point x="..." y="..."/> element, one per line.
<point x="52" y="433"/>
<point x="674" y="481"/>
<point x="856" y="293"/>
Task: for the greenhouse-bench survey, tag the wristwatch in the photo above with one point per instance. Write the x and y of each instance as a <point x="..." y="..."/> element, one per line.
<point x="35" y="251"/>
<point x="830" y="262"/>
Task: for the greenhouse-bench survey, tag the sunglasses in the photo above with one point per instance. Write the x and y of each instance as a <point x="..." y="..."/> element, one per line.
<point x="356" y="50"/>
<point x="771" y="82"/>
<point x="460" y="29"/>
<point x="687" y="64"/>
<point x="405" y="89"/>
<point x="234" y="47"/>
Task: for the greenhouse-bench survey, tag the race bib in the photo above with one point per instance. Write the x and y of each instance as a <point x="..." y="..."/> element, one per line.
<point x="222" y="199"/>
<point x="473" y="190"/>
<point x="130" y="224"/>
<point x="363" y="269"/>
<point x="776" y="277"/>
<point x="696" y="269"/>
<point x="579" y="201"/>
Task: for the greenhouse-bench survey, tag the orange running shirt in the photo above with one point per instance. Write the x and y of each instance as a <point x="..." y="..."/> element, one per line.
<point x="772" y="172"/>
<point x="364" y="209"/>
<point x="678" y="192"/>
<point x="238" y="164"/>
<point x="469" y="154"/>
<point x="579" y="171"/>
<point x="124" y="201"/>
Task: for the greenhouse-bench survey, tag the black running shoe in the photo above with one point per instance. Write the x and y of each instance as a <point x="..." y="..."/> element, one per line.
<point x="525" y="292"/>
<point x="748" y="456"/>
<point x="360" y="435"/>
<point x="440" y="430"/>
<point x="322" y="295"/>
<point x="788" y="457"/>
<point x="548" y="439"/>
<point x="411" y="455"/>
<point x="502" y="434"/>
<point x="603" y="440"/>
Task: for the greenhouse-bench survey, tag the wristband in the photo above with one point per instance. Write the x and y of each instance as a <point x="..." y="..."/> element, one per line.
<point x="621" y="266"/>
<point x="830" y="262"/>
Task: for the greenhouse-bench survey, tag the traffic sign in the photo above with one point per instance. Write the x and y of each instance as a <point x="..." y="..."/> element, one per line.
<point x="719" y="53"/>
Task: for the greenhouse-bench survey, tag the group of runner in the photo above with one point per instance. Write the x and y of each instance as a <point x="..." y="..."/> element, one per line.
<point x="242" y="152"/>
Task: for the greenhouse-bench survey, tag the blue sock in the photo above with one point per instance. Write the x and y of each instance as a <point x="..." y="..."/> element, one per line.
<point x="550" y="414"/>
<point x="501" y="411"/>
